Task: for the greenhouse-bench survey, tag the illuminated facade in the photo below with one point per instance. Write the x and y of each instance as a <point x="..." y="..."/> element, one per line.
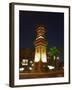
<point x="40" y="47"/>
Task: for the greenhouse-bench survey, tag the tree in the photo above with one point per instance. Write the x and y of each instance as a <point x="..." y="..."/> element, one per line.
<point x="53" y="52"/>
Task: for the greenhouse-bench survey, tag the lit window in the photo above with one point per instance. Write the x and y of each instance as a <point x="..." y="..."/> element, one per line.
<point x="57" y="58"/>
<point x="31" y="62"/>
<point x="30" y="68"/>
<point x="25" y="62"/>
<point x="21" y="69"/>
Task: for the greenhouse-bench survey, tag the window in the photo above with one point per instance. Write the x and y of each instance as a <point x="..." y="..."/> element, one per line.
<point x="25" y="62"/>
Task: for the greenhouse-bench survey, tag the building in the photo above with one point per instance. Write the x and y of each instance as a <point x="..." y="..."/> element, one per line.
<point x="40" y="43"/>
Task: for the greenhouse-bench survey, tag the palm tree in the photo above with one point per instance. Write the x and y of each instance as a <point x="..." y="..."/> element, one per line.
<point x="54" y="52"/>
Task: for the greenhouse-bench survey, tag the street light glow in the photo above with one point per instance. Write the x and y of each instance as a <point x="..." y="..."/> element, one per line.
<point x="51" y="67"/>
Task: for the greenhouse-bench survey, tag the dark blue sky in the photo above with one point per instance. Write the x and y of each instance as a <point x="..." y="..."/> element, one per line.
<point x="54" y="23"/>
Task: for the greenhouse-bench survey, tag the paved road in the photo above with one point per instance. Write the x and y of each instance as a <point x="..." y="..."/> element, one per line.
<point x="56" y="73"/>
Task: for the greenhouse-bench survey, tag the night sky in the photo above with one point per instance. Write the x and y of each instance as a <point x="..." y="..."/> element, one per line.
<point x="54" y="23"/>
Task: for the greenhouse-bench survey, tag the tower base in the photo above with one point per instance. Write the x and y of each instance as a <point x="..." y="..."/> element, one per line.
<point x="40" y="67"/>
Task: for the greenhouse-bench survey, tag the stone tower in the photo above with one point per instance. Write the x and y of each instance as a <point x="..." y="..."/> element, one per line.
<point x="40" y="48"/>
